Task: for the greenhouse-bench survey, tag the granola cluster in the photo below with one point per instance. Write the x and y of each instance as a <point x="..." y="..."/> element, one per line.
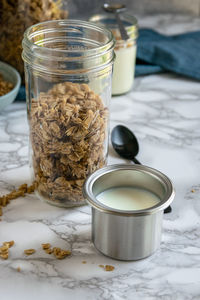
<point x="4" y="249"/>
<point x="19" y="192"/>
<point x="68" y="133"/>
<point x="58" y="252"/>
<point x="107" y="268"/>
<point x="5" y="86"/>
<point x="15" y="17"/>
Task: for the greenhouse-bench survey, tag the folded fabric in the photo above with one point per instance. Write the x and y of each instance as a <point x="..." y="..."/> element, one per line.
<point x="21" y="94"/>
<point x="178" y="53"/>
<point x="142" y="68"/>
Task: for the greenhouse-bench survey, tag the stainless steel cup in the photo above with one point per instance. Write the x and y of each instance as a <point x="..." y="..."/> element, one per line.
<point x="125" y="234"/>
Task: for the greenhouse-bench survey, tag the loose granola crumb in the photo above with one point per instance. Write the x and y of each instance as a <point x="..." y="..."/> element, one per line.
<point x="4" y="255"/>
<point x="109" y="268"/>
<point x="193" y="191"/>
<point x="46" y="246"/>
<point x="23" y="187"/>
<point x="84" y="262"/>
<point x="29" y="251"/>
<point x="60" y="254"/>
<point x="48" y="251"/>
<point x="101" y="266"/>
<point x="4" y="249"/>
<point x="18" y="269"/>
<point x="30" y="189"/>
<point x="9" y="244"/>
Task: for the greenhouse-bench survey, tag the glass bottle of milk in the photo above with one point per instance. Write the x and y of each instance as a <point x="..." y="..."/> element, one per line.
<point x="125" y="51"/>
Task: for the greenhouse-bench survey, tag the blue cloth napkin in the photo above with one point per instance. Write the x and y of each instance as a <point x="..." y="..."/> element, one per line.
<point x="21" y="94"/>
<point x="158" y="53"/>
<point x="178" y="53"/>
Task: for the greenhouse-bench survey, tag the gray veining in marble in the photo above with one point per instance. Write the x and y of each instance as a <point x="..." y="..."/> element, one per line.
<point x="164" y="112"/>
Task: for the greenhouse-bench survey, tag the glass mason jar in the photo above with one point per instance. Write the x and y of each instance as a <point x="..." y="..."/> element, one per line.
<point x="15" y="17"/>
<point x="125" y="50"/>
<point x="68" y="67"/>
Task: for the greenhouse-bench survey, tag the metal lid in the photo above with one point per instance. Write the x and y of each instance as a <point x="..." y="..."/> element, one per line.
<point x="129" y="175"/>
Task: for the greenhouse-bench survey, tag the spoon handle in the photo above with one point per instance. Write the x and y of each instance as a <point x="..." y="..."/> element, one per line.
<point x="136" y="161"/>
<point x="167" y="210"/>
<point x="122" y="30"/>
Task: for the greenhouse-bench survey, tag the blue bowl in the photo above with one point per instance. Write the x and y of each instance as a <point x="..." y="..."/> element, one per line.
<point x="9" y="74"/>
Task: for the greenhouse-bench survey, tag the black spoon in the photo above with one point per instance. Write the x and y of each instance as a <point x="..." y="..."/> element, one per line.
<point x="126" y="145"/>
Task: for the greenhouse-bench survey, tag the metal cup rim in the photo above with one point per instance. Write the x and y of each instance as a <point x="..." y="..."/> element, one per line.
<point x="93" y="202"/>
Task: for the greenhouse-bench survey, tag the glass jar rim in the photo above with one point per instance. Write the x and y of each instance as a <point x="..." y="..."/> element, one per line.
<point x="95" y="42"/>
<point x="27" y="34"/>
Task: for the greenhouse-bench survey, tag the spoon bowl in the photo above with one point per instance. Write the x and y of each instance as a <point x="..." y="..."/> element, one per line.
<point x="114" y="7"/>
<point x="125" y="143"/>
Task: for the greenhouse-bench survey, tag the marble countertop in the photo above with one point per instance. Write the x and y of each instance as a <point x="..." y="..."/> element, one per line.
<point x="164" y="113"/>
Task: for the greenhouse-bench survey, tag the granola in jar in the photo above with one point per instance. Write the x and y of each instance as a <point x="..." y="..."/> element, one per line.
<point x="68" y="128"/>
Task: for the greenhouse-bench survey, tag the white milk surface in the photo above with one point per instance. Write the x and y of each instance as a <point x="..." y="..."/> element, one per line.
<point x="128" y="198"/>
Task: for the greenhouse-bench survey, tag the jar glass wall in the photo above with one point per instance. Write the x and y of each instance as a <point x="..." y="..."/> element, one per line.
<point x="68" y="67"/>
<point x="125" y="50"/>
